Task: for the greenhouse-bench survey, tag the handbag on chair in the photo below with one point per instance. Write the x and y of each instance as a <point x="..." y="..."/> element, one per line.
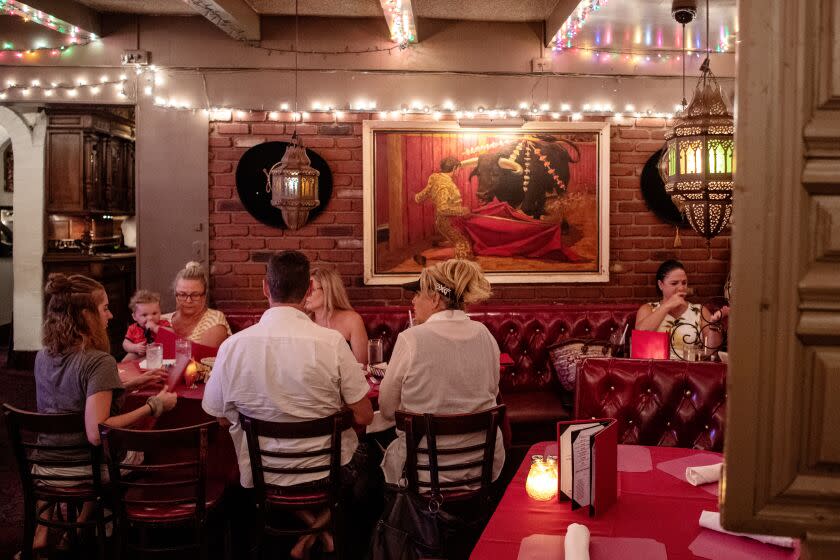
<point x="411" y="528"/>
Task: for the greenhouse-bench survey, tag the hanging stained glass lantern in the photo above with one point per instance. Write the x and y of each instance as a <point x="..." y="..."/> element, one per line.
<point x="293" y="184"/>
<point x="699" y="160"/>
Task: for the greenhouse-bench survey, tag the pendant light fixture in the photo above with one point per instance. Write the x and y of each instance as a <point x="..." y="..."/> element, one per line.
<point x="699" y="160"/>
<point x="292" y="181"/>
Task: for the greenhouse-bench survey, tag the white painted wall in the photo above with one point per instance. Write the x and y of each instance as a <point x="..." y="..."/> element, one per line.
<point x="27" y="132"/>
<point x="172" y="199"/>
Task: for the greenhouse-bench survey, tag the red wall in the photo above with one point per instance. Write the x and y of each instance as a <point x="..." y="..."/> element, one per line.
<point x="239" y="245"/>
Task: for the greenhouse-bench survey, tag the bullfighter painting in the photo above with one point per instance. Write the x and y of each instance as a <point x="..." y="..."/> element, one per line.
<point x="528" y="204"/>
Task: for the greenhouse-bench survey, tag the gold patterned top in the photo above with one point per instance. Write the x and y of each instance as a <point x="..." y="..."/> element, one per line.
<point x="683" y="330"/>
<point x="209" y="319"/>
<point x="444" y="193"/>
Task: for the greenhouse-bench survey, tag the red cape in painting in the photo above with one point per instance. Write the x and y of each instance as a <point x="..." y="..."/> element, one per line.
<point x="499" y="230"/>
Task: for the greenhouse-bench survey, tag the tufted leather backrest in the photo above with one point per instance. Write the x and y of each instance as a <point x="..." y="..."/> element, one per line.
<point x="656" y="402"/>
<point x="522" y="331"/>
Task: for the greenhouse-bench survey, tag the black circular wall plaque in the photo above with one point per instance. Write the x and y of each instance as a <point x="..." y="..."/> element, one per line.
<point x="657" y="199"/>
<point x="251" y="182"/>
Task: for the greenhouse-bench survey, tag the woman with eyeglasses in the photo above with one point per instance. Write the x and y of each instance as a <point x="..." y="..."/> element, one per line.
<point x="192" y="319"/>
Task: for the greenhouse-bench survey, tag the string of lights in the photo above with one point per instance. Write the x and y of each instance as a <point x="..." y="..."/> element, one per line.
<point x="400" y="19"/>
<point x="543" y="112"/>
<point x="371" y="50"/>
<point x="9" y="48"/>
<point x="30" y="14"/>
<point x="148" y="79"/>
<point x="574" y="23"/>
<point x="71" y="89"/>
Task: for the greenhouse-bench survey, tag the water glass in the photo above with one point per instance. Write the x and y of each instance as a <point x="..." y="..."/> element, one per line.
<point x="154" y="356"/>
<point x="410" y="318"/>
<point x="374" y="351"/>
<point x="183" y="347"/>
<point x="691" y="353"/>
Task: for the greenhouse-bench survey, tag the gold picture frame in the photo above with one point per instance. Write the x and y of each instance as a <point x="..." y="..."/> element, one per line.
<point x="530" y="204"/>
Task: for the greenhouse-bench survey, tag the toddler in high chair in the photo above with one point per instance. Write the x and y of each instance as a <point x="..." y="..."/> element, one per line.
<point x="145" y="310"/>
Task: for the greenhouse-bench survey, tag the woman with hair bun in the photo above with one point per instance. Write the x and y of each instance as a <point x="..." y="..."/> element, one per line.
<point x="328" y="303"/>
<point x="192" y="319"/>
<point x="74" y="372"/>
<point x="447" y="364"/>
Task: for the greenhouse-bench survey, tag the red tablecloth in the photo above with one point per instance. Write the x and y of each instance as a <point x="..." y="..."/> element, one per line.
<point x="651" y="504"/>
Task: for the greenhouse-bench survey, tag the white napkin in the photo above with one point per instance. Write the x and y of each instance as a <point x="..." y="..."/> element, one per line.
<point x="711" y="520"/>
<point x="576" y="543"/>
<point x="703" y="475"/>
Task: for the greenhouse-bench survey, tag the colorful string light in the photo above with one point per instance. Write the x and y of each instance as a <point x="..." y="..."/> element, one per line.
<point x="574" y="23"/>
<point x="30" y="14"/>
<point x="400" y="19"/>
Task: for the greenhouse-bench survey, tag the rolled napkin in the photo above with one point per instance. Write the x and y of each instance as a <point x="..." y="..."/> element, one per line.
<point x="711" y="520"/>
<point x="576" y="543"/>
<point x="703" y="475"/>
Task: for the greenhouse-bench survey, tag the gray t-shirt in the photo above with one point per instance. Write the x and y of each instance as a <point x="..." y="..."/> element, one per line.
<point x="63" y="383"/>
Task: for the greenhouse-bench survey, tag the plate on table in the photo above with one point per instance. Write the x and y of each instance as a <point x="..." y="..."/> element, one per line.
<point x="208" y="361"/>
<point x="166" y="363"/>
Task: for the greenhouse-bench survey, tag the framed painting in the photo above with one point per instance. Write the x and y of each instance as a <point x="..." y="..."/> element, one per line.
<point x="529" y="204"/>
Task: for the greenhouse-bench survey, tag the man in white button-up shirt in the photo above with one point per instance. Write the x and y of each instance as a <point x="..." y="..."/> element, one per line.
<point x="287" y="369"/>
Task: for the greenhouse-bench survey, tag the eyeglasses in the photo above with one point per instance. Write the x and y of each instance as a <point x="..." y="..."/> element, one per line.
<point x="189" y="297"/>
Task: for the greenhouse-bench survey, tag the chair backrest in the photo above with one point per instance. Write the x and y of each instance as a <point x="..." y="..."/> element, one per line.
<point x="433" y="426"/>
<point x="331" y="426"/>
<point x="173" y="472"/>
<point x="668" y="403"/>
<point x="41" y="440"/>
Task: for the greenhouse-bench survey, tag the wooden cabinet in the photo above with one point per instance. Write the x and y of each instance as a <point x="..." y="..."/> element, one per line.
<point x="116" y="274"/>
<point x="90" y="162"/>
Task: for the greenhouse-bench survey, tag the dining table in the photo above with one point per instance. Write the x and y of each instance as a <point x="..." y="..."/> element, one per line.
<point x="188" y="411"/>
<point x="655" y="517"/>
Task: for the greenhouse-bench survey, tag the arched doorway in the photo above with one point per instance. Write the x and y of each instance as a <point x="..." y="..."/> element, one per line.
<point x="26" y="133"/>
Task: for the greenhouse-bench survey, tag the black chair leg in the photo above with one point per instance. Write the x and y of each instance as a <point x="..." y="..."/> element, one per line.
<point x="29" y="525"/>
<point x="101" y="534"/>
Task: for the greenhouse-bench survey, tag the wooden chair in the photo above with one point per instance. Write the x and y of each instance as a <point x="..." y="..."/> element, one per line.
<point x="473" y="506"/>
<point x="270" y="497"/>
<point x="169" y="489"/>
<point x="55" y="500"/>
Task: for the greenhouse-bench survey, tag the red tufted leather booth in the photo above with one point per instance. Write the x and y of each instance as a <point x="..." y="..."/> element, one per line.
<point x="656" y="402"/>
<point x="530" y="391"/>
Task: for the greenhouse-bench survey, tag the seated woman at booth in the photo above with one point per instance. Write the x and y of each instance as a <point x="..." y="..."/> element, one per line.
<point x="192" y="319"/>
<point x="685" y="322"/>
<point x="329" y="307"/>
<point x="74" y="372"/>
<point x="447" y="364"/>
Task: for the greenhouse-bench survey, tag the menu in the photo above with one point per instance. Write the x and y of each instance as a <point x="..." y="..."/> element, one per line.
<point x="588" y="463"/>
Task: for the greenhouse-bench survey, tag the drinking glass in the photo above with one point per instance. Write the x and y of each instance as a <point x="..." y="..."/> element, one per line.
<point x="154" y="356"/>
<point x="374" y="351"/>
<point x="183" y="347"/>
<point x="617" y="339"/>
<point x="410" y="318"/>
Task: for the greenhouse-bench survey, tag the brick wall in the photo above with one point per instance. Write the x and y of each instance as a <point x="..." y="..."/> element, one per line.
<point x="239" y="245"/>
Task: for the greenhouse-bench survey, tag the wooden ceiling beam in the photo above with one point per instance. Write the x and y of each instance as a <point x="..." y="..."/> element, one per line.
<point x="557" y="17"/>
<point x="399" y="17"/>
<point x="234" y="17"/>
<point x="72" y="12"/>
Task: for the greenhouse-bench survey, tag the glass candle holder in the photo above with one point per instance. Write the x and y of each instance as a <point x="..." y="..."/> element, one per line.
<point x="541" y="484"/>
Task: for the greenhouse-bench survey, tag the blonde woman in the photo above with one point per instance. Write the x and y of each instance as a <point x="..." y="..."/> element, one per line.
<point x="74" y="372"/>
<point x="447" y="364"/>
<point x="192" y="319"/>
<point x="329" y="307"/>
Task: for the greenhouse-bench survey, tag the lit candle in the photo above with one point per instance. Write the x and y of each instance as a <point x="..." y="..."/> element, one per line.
<point x="542" y="478"/>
